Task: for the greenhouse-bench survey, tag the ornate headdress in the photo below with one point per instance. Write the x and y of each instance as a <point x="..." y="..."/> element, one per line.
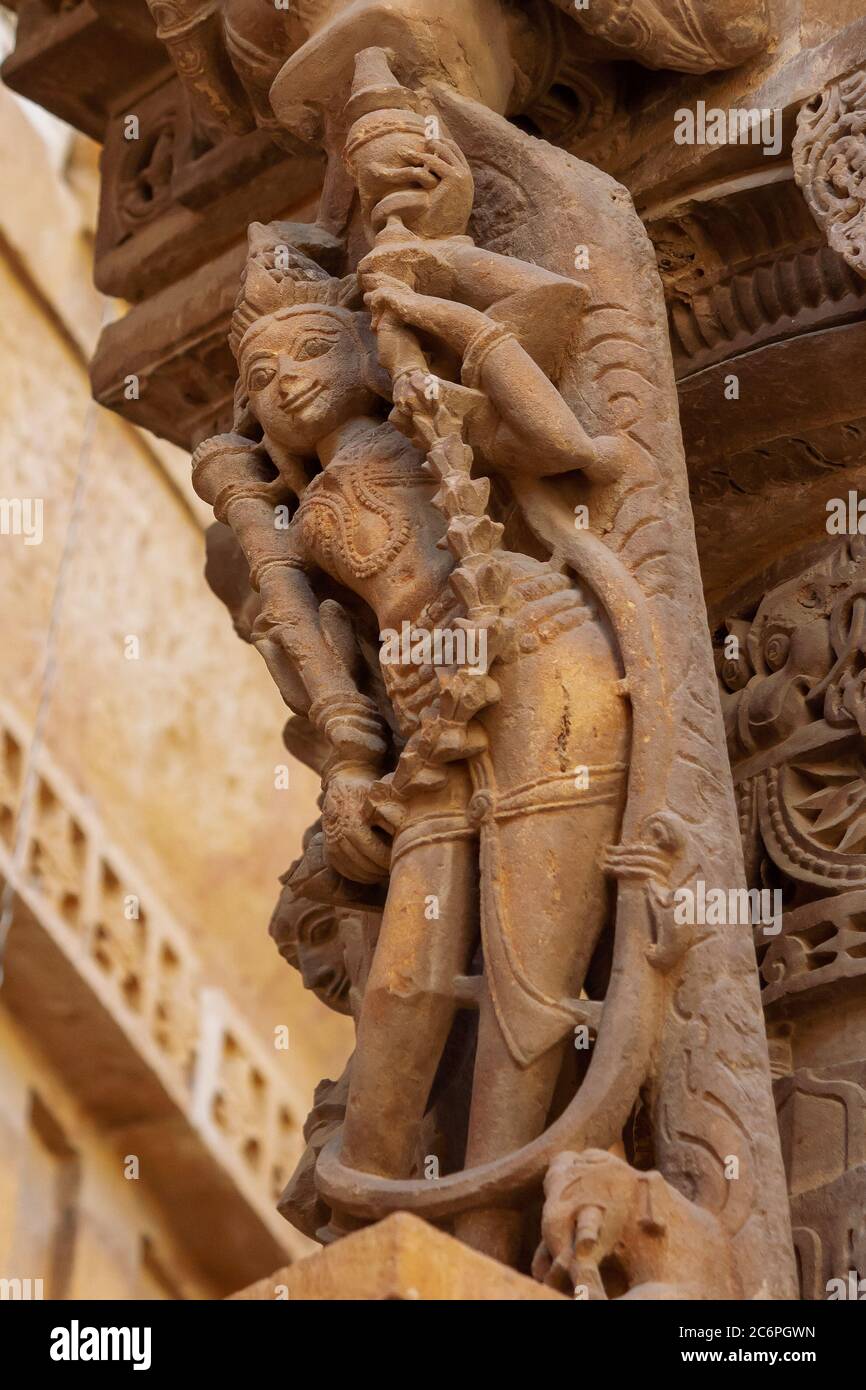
<point x="279" y="276"/>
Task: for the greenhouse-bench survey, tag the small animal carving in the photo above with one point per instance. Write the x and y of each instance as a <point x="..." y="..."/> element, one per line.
<point x="611" y="1231"/>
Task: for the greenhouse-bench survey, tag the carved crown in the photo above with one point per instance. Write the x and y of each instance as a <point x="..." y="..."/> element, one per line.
<point x="278" y="276"/>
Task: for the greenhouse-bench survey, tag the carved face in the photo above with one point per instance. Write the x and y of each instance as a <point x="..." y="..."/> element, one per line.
<point x="785" y="654"/>
<point x="321" y="961"/>
<point x="308" y="936"/>
<point x="304" y="374"/>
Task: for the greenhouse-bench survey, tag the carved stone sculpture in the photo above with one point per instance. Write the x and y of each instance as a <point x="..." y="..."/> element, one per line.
<point x="456" y="480"/>
<point x="796" y="717"/>
<point x="443" y="448"/>
<point x="829" y="153"/>
<point x="612" y="1231"/>
<point x="553" y="63"/>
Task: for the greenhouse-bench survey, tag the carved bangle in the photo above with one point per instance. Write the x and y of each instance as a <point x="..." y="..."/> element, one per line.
<point x="357" y="740"/>
<point x="260" y="570"/>
<point x="480" y="347"/>
<point x="344" y="763"/>
<point x="353" y="727"/>
<point x="181" y="19"/>
<point x="341" y="702"/>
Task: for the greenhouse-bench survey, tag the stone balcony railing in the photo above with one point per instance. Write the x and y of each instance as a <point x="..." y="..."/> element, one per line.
<point x="164" y="1061"/>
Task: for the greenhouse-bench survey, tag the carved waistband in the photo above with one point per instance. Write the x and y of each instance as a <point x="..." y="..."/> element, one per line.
<point x="604" y="782"/>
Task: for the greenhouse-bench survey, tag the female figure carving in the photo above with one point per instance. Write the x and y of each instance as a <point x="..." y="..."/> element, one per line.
<point x="365" y="534"/>
<point x="527" y="491"/>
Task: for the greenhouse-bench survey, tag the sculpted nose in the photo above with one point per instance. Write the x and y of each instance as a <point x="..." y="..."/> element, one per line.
<point x="287" y="376"/>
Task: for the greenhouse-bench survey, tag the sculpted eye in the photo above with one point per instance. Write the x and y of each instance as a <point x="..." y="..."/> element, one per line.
<point x="313" y="347"/>
<point x="320" y="933"/>
<point x="260" y="377"/>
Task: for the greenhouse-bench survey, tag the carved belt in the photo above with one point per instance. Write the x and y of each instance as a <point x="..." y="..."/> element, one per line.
<point x="548" y="793"/>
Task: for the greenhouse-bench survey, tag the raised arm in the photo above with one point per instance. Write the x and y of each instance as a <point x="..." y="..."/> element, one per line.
<point x="537" y="430"/>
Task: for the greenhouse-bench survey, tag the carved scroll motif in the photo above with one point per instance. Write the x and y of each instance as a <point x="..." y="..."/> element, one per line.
<point x="687" y="35"/>
<point x="829" y="153"/>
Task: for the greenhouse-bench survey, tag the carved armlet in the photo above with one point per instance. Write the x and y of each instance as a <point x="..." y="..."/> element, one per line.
<point x="479" y="349"/>
<point x="235" y="476"/>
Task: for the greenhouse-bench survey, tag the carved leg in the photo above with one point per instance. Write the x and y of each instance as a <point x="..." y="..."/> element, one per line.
<point x="554" y="910"/>
<point x="509" y="1107"/>
<point x="409" y="1004"/>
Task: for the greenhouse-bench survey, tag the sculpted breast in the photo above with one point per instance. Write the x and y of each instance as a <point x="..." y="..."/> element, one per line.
<point x="356" y="518"/>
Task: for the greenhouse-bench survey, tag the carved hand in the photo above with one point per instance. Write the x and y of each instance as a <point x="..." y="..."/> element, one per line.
<point x="353" y="848"/>
<point x="455" y="324"/>
<point x="425" y="187"/>
<point x="425" y="262"/>
<point x="597" y="1205"/>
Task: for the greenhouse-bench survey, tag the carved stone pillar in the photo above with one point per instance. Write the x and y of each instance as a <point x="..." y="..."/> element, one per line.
<point x="765" y="291"/>
<point x="766" y="322"/>
<point x="499" y="276"/>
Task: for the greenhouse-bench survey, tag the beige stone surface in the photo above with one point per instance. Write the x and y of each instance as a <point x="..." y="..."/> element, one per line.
<point x="50" y="250"/>
<point x="68" y="1214"/>
<point x="400" y="1258"/>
